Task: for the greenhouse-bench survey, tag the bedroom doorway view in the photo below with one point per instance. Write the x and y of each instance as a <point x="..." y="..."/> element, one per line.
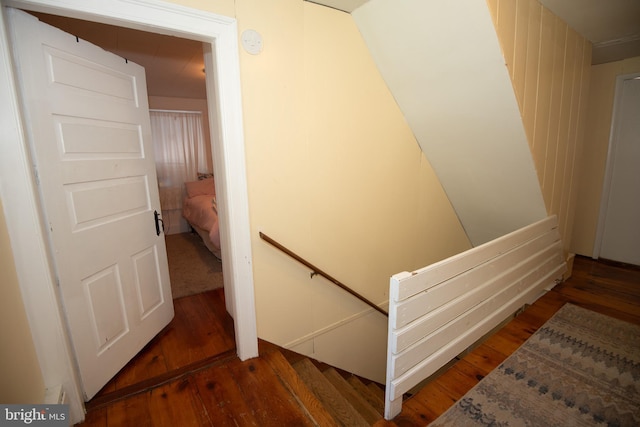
<point x="201" y="330"/>
<point x="187" y="195"/>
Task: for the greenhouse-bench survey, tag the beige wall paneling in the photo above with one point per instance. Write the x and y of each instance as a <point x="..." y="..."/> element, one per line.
<point x="548" y="161"/>
<point x="581" y="135"/>
<point x="530" y="94"/>
<point x="493" y="10"/>
<point x="570" y="170"/>
<point x="507" y="32"/>
<point x="548" y="64"/>
<point x="543" y="105"/>
<point x="520" y="50"/>
<point x="560" y="141"/>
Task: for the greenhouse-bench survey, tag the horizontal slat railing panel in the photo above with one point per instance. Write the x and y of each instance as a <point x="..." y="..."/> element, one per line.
<point x="465" y="322"/>
<point x="435" y="319"/>
<point x="435" y="297"/>
<point x="428" y="366"/>
<point x="437" y="312"/>
<point x="433" y="274"/>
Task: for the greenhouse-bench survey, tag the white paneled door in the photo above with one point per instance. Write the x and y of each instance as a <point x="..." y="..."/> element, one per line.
<point x="621" y="231"/>
<point x="87" y="121"/>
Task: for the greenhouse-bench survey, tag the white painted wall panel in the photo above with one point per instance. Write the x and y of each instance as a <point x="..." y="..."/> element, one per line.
<point x="442" y="61"/>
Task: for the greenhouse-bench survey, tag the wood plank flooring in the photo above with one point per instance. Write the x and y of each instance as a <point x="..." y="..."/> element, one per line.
<point x="177" y="380"/>
<point x="200" y="332"/>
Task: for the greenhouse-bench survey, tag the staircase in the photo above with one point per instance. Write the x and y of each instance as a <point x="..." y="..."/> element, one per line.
<point x="329" y="397"/>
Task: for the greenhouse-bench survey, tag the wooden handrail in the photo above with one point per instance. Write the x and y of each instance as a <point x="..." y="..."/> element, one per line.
<point x="316" y="270"/>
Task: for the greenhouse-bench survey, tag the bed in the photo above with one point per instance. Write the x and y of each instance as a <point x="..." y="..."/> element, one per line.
<point x="200" y="211"/>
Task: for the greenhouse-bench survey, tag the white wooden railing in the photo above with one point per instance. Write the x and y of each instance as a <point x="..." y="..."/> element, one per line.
<point x="435" y="313"/>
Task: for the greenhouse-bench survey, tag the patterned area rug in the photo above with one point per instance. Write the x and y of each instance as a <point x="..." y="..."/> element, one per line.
<point x="579" y="369"/>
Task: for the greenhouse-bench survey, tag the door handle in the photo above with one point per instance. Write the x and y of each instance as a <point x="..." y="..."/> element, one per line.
<point x="159" y="222"/>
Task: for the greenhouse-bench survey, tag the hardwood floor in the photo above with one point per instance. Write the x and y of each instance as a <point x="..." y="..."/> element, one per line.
<point x="190" y="386"/>
<point x="201" y="332"/>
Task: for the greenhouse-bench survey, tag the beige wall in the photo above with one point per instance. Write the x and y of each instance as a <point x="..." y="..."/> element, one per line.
<point x="220" y="7"/>
<point x="596" y="145"/>
<point x="20" y="377"/>
<point x="334" y="172"/>
<point x="549" y="65"/>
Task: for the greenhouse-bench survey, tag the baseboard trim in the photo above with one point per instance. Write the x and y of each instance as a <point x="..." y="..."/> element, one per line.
<point x="298" y="341"/>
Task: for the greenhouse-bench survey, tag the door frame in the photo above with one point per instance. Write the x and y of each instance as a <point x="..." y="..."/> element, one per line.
<point x="18" y="189"/>
<point x="608" y="172"/>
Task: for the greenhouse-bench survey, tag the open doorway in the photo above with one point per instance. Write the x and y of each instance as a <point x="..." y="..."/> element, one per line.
<point x="201" y="329"/>
<point x="36" y="281"/>
<point x="179" y="109"/>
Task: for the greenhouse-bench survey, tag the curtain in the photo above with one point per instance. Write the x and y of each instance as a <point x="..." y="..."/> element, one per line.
<point x="180" y="153"/>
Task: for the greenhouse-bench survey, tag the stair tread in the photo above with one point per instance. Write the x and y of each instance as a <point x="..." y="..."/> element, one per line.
<point x="298" y="388"/>
<point x="367" y="392"/>
<point x="359" y="403"/>
<point x="341" y="410"/>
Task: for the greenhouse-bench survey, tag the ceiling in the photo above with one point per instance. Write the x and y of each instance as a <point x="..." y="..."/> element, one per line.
<point x="613" y="26"/>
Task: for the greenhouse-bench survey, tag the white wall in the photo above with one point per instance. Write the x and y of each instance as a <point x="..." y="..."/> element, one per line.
<point x="443" y="64"/>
